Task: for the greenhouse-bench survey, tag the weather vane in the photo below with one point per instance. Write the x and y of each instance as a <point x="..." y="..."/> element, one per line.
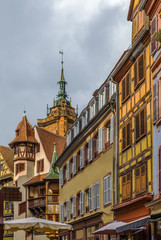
<point x="61" y="52"/>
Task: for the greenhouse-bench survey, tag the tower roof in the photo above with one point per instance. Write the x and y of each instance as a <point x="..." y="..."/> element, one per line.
<point x="54" y="170"/>
<point x="24" y="132"/>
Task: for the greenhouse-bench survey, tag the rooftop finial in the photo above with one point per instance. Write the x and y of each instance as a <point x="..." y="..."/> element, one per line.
<point x="61" y="52"/>
<point x="24" y="112"/>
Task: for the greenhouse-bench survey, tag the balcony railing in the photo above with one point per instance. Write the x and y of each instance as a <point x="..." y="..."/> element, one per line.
<point x="37" y="202"/>
<point x="52" y="199"/>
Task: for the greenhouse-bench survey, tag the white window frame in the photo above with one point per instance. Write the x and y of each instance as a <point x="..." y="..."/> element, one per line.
<point x="107" y="189"/>
<point x="96" y="194"/>
<point x="90" y="198"/>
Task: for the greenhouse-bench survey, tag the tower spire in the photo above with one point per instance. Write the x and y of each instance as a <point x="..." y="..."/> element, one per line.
<point x="62" y="83"/>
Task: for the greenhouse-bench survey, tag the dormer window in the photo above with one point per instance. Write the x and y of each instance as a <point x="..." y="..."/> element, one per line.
<point x="103" y="97"/>
<point x="92" y="108"/>
<point x="69" y="135"/>
<point x="76" y="128"/>
<point x="17" y="133"/>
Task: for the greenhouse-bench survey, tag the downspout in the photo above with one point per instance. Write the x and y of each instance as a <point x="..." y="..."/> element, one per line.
<point x="116" y="147"/>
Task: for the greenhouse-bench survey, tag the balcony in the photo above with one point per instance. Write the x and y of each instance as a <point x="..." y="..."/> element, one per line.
<point x="37" y="202"/>
<point x="52" y="199"/>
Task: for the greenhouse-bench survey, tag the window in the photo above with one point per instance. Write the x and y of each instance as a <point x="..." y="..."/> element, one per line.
<point x="140" y="124"/>
<point x="155" y="101"/>
<point x="112" y="88"/>
<point x="74" y="165"/>
<point x="82" y="157"/>
<point x="154" y="29"/>
<point x="69" y="137"/>
<point x="103" y="97"/>
<point x="140" y="179"/>
<point x="92" y="110"/>
<point x="61" y="213"/>
<point x="90" y="149"/>
<point x="96" y="194"/>
<point x="20" y="167"/>
<point x="1" y="167"/>
<point x="126" y="87"/>
<point x="126" y="136"/>
<point x="61" y="177"/>
<point x="67" y="172"/>
<point x="22" y="207"/>
<point x="126" y="186"/>
<point x="81" y="202"/>
<point x="40" y="165"/>
<point x="76" y="128"/>
<point x="139" y="70"/>
<point x="100" y="139"/>
<point x="107" y="189"/>
<point x="74" y="206"/>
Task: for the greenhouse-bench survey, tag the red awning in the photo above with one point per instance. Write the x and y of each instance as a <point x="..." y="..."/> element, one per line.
<point x="109" y="228"/>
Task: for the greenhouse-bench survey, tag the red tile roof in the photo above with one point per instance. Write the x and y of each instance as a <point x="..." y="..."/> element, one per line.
<point x="48" y="139"/>
<point x="34" y="180"/>
<point x="24" y="132"/>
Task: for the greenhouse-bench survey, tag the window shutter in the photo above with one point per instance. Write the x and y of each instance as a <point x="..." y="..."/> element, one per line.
<point x="90" y="199"/>
<point x="74" y="206"/>
<point x="98" y="195"/>
<point x="90" y="149"/>
<point x="111" y="129"/>
<point x="61" y="177"/>
<point x="142" y="122"/>
<point x="104" y="96"/>
<point x="78" y="162"/>
<point x="127" y="85"/>
<point x="135" y="74"/>
<point x="160" y="169"/>
<point x="128" y="134"/>
<point x="68" y="209"/>
<point x="105" y="190"/>
<point x="124" y="138"/>
<point x="82" y="157"/>
<point x="123" y="89"/>
<point x="124" y="187"/>
<point x="128" y="185"/>
<point x="108" y="134"/>
<point x="94" y="195"/>
<point x="67" y="171"/>
<point x="62" y="213"/>
<point x="100" y="137"/>
<point x="109" y="188"/>
<point x="137" y="126"/>
<point x="155" y="101"/>
<point x="141" y="67"/>
<point x="99" y="98"/>
<point x="153" y="31"/>
<point x="137" y="180"/>
<point x="143" y="178"/>
<point x="74" y="165"/>
<point x="81" y="203"/>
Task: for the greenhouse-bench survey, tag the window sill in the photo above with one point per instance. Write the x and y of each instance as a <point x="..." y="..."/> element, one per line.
<point x="123" y="101"/>
<point x="139" y="84"/>
<point x="143" y="135"/>
<point x="126" y="148"/>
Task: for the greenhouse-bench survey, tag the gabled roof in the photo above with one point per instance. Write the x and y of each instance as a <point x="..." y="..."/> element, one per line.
<point x="7" y="154"/>
<point x="48" y="139"/>
<point x="24" y="132"/>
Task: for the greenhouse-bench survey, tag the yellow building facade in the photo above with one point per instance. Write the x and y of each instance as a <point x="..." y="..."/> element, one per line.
<point x="135" y="107"/>
<point x="6" y="179"/>
<point x="87" y="173"/>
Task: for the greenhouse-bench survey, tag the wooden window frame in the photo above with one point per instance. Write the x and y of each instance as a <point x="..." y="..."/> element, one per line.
<point x="137" y="81"/>
<point x="18" y="167"/>
<point x="40" y="165"/>
<point x="124" y="148"/>
<point x="138" y="128"/>
<point x="127" y="86"/>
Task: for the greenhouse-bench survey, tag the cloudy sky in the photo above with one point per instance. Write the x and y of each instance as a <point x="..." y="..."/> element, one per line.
<point x="92" y="33"/>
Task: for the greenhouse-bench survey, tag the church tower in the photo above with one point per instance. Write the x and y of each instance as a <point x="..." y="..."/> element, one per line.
<point x="61" y="115"/>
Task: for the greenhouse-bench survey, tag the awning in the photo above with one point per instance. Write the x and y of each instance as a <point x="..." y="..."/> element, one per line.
<point x="133" y="225"/>
<point x="109" y="228"/>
